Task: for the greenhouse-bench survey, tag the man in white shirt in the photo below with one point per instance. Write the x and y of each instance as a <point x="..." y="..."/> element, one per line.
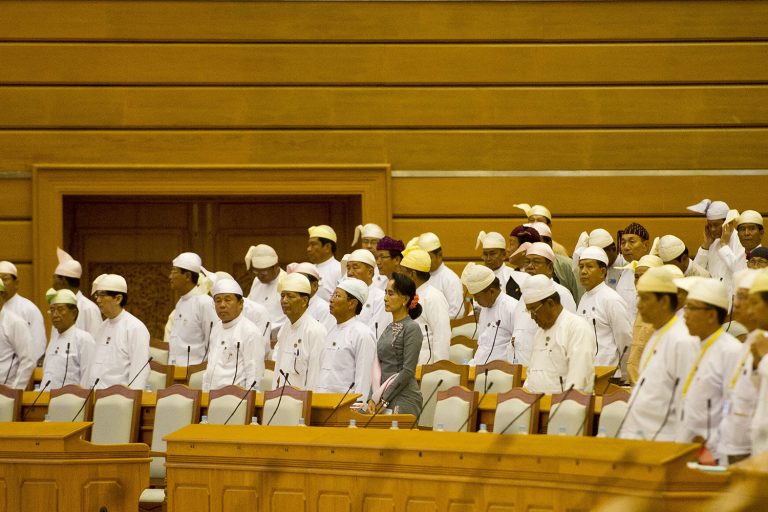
<point x="494" y="255"/>
<point x="301" y="340"/>
<point x="237" y="344"/>
<point x="497" y="309"/>
<point x="443" y="278"/>
<point x="369" y="236"/>
<point x="321" y="250"/>
<point x="434" y="321"/>
<point x="24" y="309"/>
<point x="67" y="277"/>
<point x="194" y="315"/>
<point x="262" y="261"/>
<point x="318" y="308"/>
<point x="599" y="238"/>
<point x="634" y="244"/>
<point x="673" y="251"/>
<point x="563" y="346"/>
<point x="122" y="341"/>
<point x="16" y="359"/>
<point x="347" y="359"/>
<point x="758" y="302"/>
<point x="360" y="265"/>
<point x="68" y="357"/>
<point x="664" y="363"/>
<point x="749" y="227"/>
<point x="562" y="271"/>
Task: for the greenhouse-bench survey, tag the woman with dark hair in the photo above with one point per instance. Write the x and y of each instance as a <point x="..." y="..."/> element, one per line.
<point x="398" y="349"/>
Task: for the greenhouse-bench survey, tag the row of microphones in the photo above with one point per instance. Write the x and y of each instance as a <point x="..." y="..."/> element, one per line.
<point x="253" y="385"/>
<point x="87" y="397"/>
<point x="493" y="345"/>
<point x="474" y="407"/>
<point x="37" y="397"/>
<point x="139" y="372"/>
<point x="338" y="404"/>
<point x="669" y="409"/>
<point x="426" y="402"/>
<point x="280" y="398"/>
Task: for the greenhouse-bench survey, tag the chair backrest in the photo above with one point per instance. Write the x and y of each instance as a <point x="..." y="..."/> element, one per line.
<point x="116" y="415"/>
<point x="520" y="406"/>
<point x="159" y="350"/>
<point x="66" y="401"/>
<point x="571" y="413"/>
<point x="294" y="404"/>
<point x="267" y="380"/>
<point x="462" y="349"/>
<point x="223" y="401"/>
<point x="451" y="374"/>
<point x="10" y="403"/>
<point x="456" y="409"/>
<point x="613" y="411"/>
<point x="466" y="327"/>
<point x="503" y="374"/>
<point x="195" y="375"/>
<point x="177" y="406"/>
<point x="160" y="375"/>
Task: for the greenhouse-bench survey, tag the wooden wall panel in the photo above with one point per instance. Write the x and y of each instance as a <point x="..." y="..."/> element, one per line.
<point x="346" y="64"/>
<point x="16" y="242"/>
<point x="355" y="107"/>
<point x="16" y="198"/>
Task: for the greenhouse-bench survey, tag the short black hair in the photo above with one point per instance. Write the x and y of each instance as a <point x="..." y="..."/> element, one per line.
<point x="324" y="241"/>
<point x="495" y="283"/>
<point x="721" y="314"/>
<point x="684" y="253"/>
<point x="310" y="277"/>
<point x="123" y="297"/>
<point x="672" y="299"/>
<point x="395" y="254"/>
<point x="359" y="307"/>
<point x="437" y="252"/>
<point x="601" y="264"/>
<point x="72" y="282"/>
<point x="422" y="275"/>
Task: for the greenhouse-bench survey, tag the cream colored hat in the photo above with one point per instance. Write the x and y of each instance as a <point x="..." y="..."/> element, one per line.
<point x="110" y="283"/>
<point x="304" y="267"/>
<point x="343" y="264"/>
<point x="600" y="238"/>
<point x="744" y="278"/>
<point x="367" y="231"/>
<point x="541" y="228"/>
<point x="750" y="217"/>
<point x="537" y="288"/>
<point x="760" y="283"/>
<point x="593" y="253"/>
<point x="295" y="282"/>
<point x="63" y="296"/>
<point x="673" y="270"/>
<point x="710" y="291"/>
<point x="535" y="249"/>
<point x="429" y="241"/>
<point x="492" y="240"/>
<point x="363" y="256"/>
<point x="260" y="256"/>
<point x="6" y="267"/>
<point x="657" y="280"/>
<point x="477" y="277"/>
<point x="355" y="287"/>
<point x="536" y="209"/>
<point x="416" y="258"/>
<point x="68" y="266"/>
<point x="670" y="247"/>
<point x="649" y="260"/>
<point x="687" y="283"/>
<point x="322" y="231"/>
<point x="714" y="210"/>
<point x="225" y="285"/>
<point x="188" y="261"/>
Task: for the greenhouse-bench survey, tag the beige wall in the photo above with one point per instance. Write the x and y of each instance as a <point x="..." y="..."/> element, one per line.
<point x="473" y="105"/>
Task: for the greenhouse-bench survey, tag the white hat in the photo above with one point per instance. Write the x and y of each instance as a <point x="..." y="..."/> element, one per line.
<point x="688" y="282"/>
<point x="541" y="228"/>
<point x="671" y="269"/>
<point x="63" y="296"/>
<point x="600" y="238"/>
<point x="416" y="258"/>
<point x="760" y="283"/>
<point x="6" y="267"/>
<point x="295" y="282"/>
<point x="68" y="266"/>
<point x="322" y="231"/>
<point x="477" y="277"/>
<point x="537" y="288"/>
<point x="492" y="240"/>
<point x="363" y="256"/>
<point x="429" y="241"/>
<point x="367" y="231"/>
<point x="744" y="278"/>
<point x="593" y="253"/>
<point x="648" y="260"/>
<point x="304" y="267"/>
<point x="670" y="247"/>
<point x="343" y="264"/>
<point x="110" y="283"/>
<point x="354" y="287"/>
<point x="260" y="256"/>
<point x="536" y="209"/>
<point x="188" y="261"/>
<point x="225" y="285"/>
<point x="710" y="291"/>
<point x="657" y="280"/>
<point x="750" y="217"/>
<point x="536" y="249"/>
<point x="714" y="210"/>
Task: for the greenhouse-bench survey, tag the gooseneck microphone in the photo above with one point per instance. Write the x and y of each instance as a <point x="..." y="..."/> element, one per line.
<point x="186" y="374"/>
<point x="139" y="372"/>
<point x="10" y="367"/>
<point x="474" y="407"/>
<point x="565" y="397"/>
<point x="376" y="330"/>
<point x="37" y="397"/>
<point x="237" y="362"/>
<point x="669" y="409"/>
<point x="632" y="404"/>
<point x="493" y="345"/>
<point x="439" y="383"/>
<point x="521" y="413"/>
<point x="280" y="398"/>
<point x="207" y="345"/>
<point x="266" y="329"/>
<point x="66" y="366"/>
<point x="240" y="401"/>
<point x="709" y="419"/>
<point x="85" y="401"/>
<point x="429" y="344"/>
<point x="338" y="404"/>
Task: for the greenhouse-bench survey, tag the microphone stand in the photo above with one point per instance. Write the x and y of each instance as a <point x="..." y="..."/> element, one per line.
<point x="520" y="415"/>
<point x="629" y="407"/>
<point x="139" y="372"/>
<point x="85" y="401"/>
<point x="669" y="409"/>
<point x="338" y="404"/>
<point x="39" y="394"/>
<point x="280" y="398"/>
<point x="493" y="345"/>
<point x="241" y="401"/>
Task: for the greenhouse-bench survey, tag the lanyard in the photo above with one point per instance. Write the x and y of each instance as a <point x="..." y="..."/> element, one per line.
<point x="657" y="340"/>
<point x="712" y="339"/>
<point x="736" y="374"/>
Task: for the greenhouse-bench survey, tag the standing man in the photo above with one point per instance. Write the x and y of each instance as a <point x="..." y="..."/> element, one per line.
<point x="599" y="238"/>
<point x="262" y="261"/>
<point x="348" y="355"/>
<point x="494" y="255"/>
<point x="67" y="277"/>
<point x="194" y="315"/>
<point x="24" y="309"/>
<point x="122" y="340"/>
<point x="301" y="340"/>
<point x="539" y="213"/>
<point x="16" y="359"/>
<point x="758" y="301"/>
<point x="361" y="265"/>
<point x="318" y="309"/>
<point x="321" y="250"/>
<point x="68" y="357"/>
<point x="749" y="227"/>
<point x="369" y="235"/>
<point x="237" y="346"/>
<point x="563" y="265"/>
<point x="673" y="251"/>
<point x="389" y="254"/>
<point x="634" y="245"/>
<point x="444" y="279"/>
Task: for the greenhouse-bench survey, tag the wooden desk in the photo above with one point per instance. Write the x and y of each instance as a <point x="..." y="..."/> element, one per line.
<point x="48" y="467"/>
<point x="213" y="468"/>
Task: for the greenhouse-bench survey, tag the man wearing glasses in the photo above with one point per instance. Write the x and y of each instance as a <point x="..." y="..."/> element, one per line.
<point x="68" y="355"/>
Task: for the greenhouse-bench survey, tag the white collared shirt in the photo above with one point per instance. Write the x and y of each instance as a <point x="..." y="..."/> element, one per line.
<point x="193" y="320"/>
<point x="27" y="311"/>
<point x="347" y="358"/>
<point x="330" y="273"/>
<point x="435" y="325"/>
<point x="605" y="310"/>
<point x="298" y="350"/>
<point x="68" y="357"/>
<point x="268" y="296"/>
<point x="494" y="341"/>
<point x="121" y="353"/>
<point x="236" y="355"/>
<point x="759" y="426"/>
<point x="448" y="283"/>
<point x="740" y="403"/>
<point x="16" y="361"/>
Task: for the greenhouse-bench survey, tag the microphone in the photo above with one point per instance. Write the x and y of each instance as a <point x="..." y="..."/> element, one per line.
<point x="39" y="394"/>
<point x="439" y="383"/>
<point x="624" y="378"/>
<point x="266" y="328"/>
<point x="463" y="302"/>
<point x="85" y="401"/>
<point x="280" y="398"/>
<point x="10" y="367"/>
<point x="485" y="383"/>
<point x="429" y="345"/>
<point x="241" y="401"/>
<point x="237" y="362"/>
<point x="66" y="367"/>
<point x="709" y="419"/>
<point x="473" y="409"/>
<point x="207" y="345"/>
<point x="632" y="403"/>
<point x="594" y="327"/>
<point x="493" y="345"/>
<point x="669" y="409"/>
<point x="139" y="373"/>
<point x="520" y="415"/>
<point x="338" y="404"/>
<point x="186" y="374"/>
<point x="376" y="329"/>
<point x="567" y="392"/>
<point x="561" y="383"/>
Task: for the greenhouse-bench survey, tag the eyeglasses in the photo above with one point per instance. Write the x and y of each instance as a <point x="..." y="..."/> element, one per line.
<point x="535" y="310"/>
